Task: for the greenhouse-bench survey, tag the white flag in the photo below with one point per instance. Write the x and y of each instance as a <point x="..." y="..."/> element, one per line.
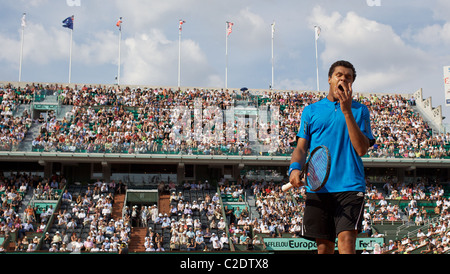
<point x="24" y="22"/>
<point x="317" y="30"/>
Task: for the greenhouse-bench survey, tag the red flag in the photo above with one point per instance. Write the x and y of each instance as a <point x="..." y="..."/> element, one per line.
<point x="119" y="23"/>
<point x="181" y="23"/>
<point x="229" y="27"/>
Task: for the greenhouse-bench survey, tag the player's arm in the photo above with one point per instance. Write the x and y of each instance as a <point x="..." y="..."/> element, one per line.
<point x="359" y="141"/>
<point x="298" y="156"/>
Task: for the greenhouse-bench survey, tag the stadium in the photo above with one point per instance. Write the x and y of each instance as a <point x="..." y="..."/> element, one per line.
<point x="139" y="165"/>
<point x="99" y="168"/>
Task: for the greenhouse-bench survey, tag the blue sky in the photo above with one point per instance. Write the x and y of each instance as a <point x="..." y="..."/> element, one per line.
<point x="397" y="46"/>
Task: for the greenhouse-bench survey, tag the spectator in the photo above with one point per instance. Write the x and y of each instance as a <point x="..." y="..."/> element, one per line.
<point x="66" y="197"/>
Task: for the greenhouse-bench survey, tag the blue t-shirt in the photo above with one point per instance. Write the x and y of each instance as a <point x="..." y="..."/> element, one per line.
<point x="323" y="123"/>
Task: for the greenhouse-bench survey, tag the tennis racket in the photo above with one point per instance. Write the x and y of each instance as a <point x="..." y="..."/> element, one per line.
<point x="316" y="170"/>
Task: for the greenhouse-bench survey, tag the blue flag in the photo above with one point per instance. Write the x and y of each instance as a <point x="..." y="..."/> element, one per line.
<point x="68" y="22"/>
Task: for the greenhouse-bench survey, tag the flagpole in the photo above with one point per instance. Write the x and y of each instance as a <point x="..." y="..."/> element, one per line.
<point x="70" y="55"/>
<point x="21" y="48"/>
<point x="179" y="56"/>
<point x="317" y="59"/>
<point x="273" y="30"/>
<point x="317" y="68"/>
<point x="226" y="55"/>
<point x="118" y="64"/>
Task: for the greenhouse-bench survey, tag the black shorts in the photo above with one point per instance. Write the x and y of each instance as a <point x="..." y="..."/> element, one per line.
<point x="328" y="214"/>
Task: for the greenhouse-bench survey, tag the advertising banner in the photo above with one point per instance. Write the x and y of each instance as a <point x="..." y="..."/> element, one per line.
<point x="300" y="244"/>
<point x="447" y="85"/>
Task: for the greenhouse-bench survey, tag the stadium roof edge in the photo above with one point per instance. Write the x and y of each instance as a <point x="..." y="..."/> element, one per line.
<point x="66" y="157"/>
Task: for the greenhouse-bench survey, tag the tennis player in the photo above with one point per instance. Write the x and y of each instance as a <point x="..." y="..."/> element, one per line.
<point x="343" y="125"/>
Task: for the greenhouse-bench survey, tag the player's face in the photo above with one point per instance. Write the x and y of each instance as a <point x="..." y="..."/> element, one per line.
<point x="341" y="76"/>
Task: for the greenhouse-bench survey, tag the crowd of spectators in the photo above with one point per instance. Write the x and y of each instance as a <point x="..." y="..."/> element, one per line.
<point x="241" y="224"/>
<point x="13" y="128"/>
<point x="84" y="222"/>
<point x="162" y="120"/>
<point x="401" y="132"/>
<point x="158" y="120"/>
<point x="198" y="221"/>
<point x="279" y="214"/>
<point x="16" y="220"/>
<point x="194" y="222"/>
<point x="194" y="121"/>
<point x="421" y="200"/>
<point x="425" y="204"/>
<point x="435" y="239"/>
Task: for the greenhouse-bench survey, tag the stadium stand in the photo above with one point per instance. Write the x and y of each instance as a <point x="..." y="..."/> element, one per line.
<point x="72" y="206"/>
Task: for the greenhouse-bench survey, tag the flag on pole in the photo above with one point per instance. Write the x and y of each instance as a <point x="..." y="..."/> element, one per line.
<point x="119" y="23"/>
<point x="273" y="34"/>
<point x="317" y="30"/>
<point x="180" y="24"/>
<point x="68" y="22"/>
<point x="229" y="27"/>
<point x="317" y="34"/>
<point x="23" y="24"/>
<point x="24" y="21"/>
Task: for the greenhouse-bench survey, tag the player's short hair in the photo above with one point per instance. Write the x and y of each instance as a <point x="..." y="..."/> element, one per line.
<point x="342" y="63"/>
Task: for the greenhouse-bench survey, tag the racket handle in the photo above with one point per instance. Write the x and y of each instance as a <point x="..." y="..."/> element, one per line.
<point x="286" y="187"/>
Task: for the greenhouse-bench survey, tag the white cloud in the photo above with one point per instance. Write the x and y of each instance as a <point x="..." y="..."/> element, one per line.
<point x="10" y="50"/>
<point x="293" y="84"/>
<point x="440" y="9"/>
<point x="44" y="45"/>
<point x="35" y="3"/>
<point x="147" y="57"/>
<point x="41" y="45"/>
<point x="151" y="58"/>
<point x="252" y="30"/>
<point x="435" y="36"/>
<point x="384" y="62"/>
<point x="101" y="48"/>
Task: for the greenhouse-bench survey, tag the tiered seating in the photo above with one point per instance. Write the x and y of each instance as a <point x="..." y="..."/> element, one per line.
<point x="156" y="114"/>
<point x="13" y="128"/>
<point x="84" y="222"/>
<point x="285" y="214"/>
<point x="193" y="213"/>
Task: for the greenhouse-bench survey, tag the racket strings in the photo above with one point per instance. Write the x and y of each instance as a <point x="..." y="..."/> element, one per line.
<point x="317" y="169"/>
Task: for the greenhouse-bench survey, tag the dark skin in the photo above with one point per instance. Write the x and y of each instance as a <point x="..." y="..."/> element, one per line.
<point x="343" y="77"/>
<point x="340" y="89"/>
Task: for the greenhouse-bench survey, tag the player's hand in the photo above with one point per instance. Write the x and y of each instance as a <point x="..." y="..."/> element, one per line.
<point x="295" y="179"/>
<point x="344" y="92"/>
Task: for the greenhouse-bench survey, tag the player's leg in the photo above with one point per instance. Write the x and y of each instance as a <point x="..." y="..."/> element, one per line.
<point x="347" y="242"/>
<point x="348" y="218"/>
<point x="325" y="246"/>
<point x="318" y="222"/>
